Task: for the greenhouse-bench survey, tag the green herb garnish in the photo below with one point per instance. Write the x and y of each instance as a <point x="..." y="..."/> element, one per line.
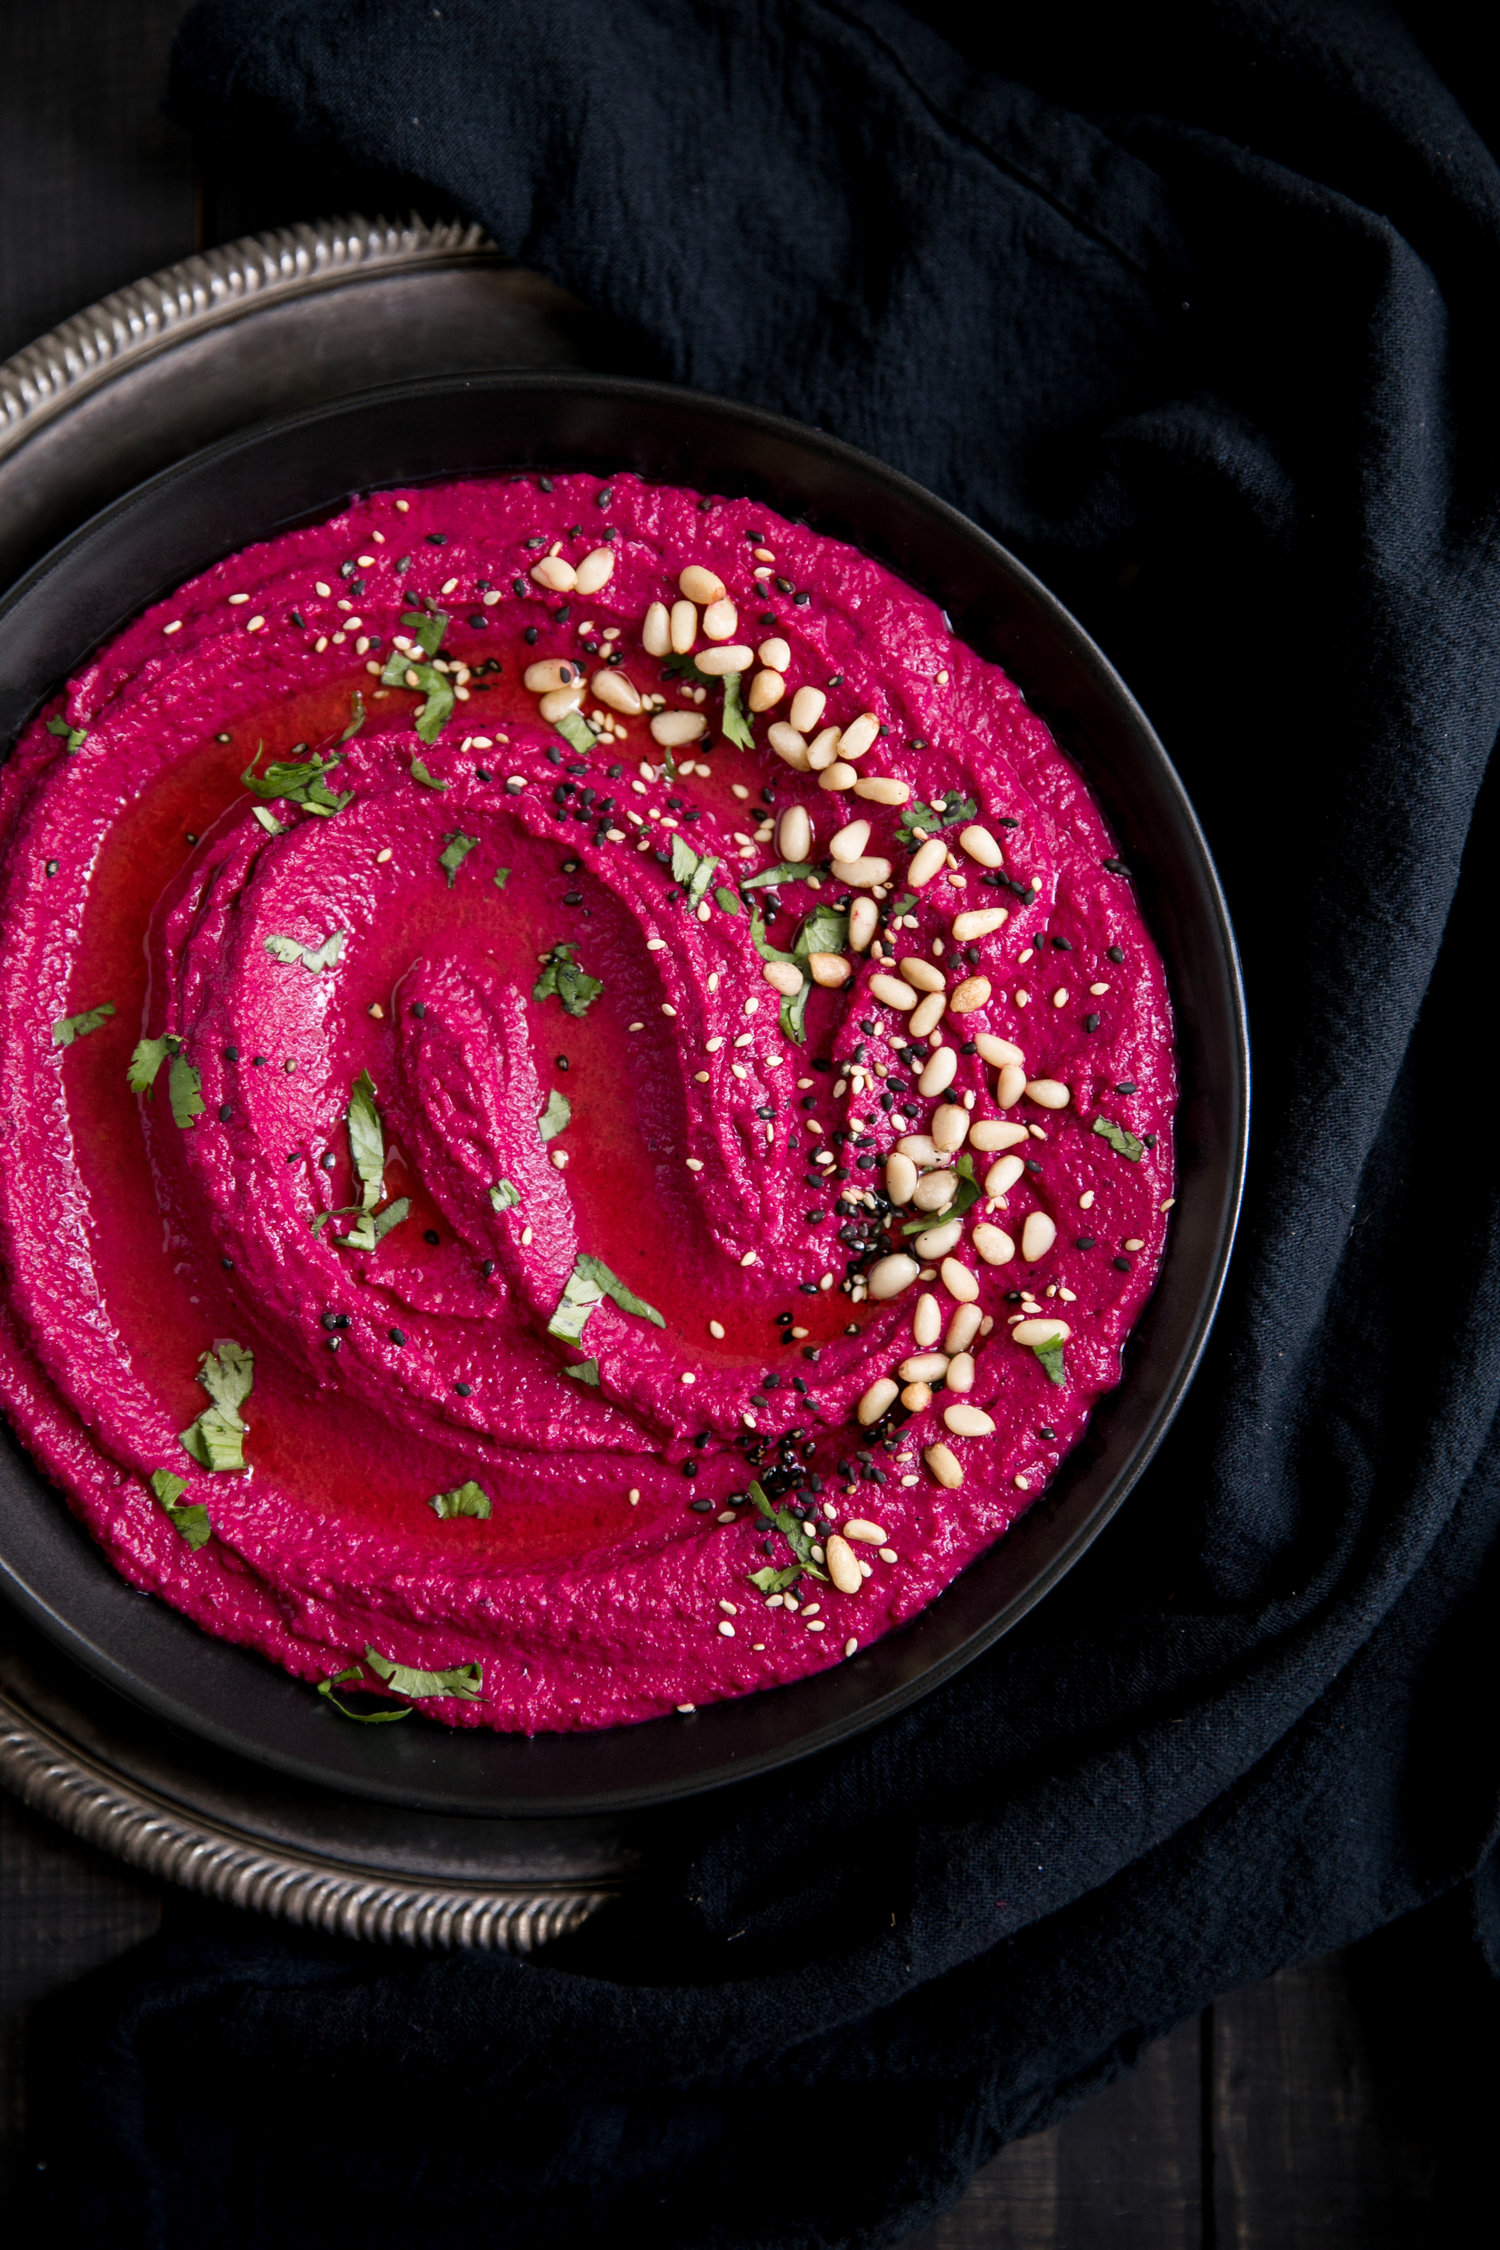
<point x="184" y="1083"/>
<point x="736" y="722"/>
<point x="588" y="1285"/>
<point x="466" y="1680"/>
<point x="1051" y="1358"/>
<point x="575" y="729"/>
<point x="367" y="1151"/>
<point x="146" y="1061"/>
<point x="456" y="849"/>
<point x="185" y="1092"/>
<point x="586" y="1371"/>
<point x="268" y="820"/>
<point x="216" y="1440"/>
<point x="71" y="738"/>
<point x="727" y="899"/>
<point x="1119" y="1138"/>
<point x="693" y="870"/>
<point x="686" y="668"/>
<point x="68" y="1028"/>
<point x="561" y="975"/>
<point x="789" y="871"/>
<point x="797" y="1537"/>
<point x="504" y="1195"/>
<point x="556" y="1117"/>
<point x="300" y="781"/>
<point x="356" y="716"/>
<point x="966" y="1191"/>
<point x="363" y="1718"/>
<point x="825" y="930"/>
<point x="290" y="950"/>
<point x="191" y="1521"/>
<point x="467" y="1499"/>
<point x="404" y="670"/>
<point x="428" y="780"/>
<point x="919" y="822"/>
<point x="500" y="878"/>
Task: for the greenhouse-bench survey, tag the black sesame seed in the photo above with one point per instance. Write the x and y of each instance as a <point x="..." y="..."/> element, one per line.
<point x="328" y="1160"/>
<point x="785" y="1319"/>
<point x="701" y="1507"/>
<point x="227" y="1264"/>
<point x="437" y="538"/>
<point x="690" y="1468"/>
<point x="257" y="1059"/>
<point x="335" y="1343"/>
<point x="226" y="1111"/>
<point x="572" y="898"/>
<point x="531" y="635"/>
<point x="1092" y="1023"/>
<point x="430" y="1234"/>
<point x="51" y="867"/>
<point x="1128" y="1087"/>
<point x="330" y="1320"/>
<point x="419" y="1007"/>
<point x="1122" y="1265"/>
<point x="544" y="484"/>
<point x="1085" y="1242"/>
<point x="604" y="495"/>
<point x="1115" y="953"/>
<point x="397" y="1335"/>
<point x="464" y="1390"/>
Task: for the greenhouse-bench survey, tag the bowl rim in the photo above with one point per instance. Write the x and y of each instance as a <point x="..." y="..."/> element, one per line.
<point x="128" y="1656"/>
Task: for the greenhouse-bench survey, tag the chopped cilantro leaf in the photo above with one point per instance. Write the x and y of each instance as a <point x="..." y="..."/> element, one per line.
<point x="556" y="1117"/>
<point x="72" y="738"/>
<point x="146" y="1061"/>
<point x="366" y="1139"/>
<point x="268" y="820"/>
<point x="356" y="716"/>
<point x="694" y="870"/>
<point x="1051" y="1358"/>
<point x="290" y="950"/>
<point x="588" y="1285"/>
<point x="727" y="899"/>
<point x="456" y="849"/>
<point x="426" y="628"/>
<point x="500" y="878"/>
<point x="191" y="1521"/>
<point x="301" y="782"/>
<point x="966" y="1191"/>
<point x="185" y="1092"/>
<point x="575" y="729"/>
<point x="68" y="1028"/>
<point x="736" y="723"/>
<point x="365" y="1718"/>
<point x="789" y="871"/>
<point x="573" y="986"/>
<point x="686" y="668"/>
<point x="428" y="780"/>
<point x="216" y="1440"/>
<point x="1120" y="1138"/>
<point x="586" y="1371"/>
<point x="504" y="1195"/>
<point x="467" y="1499"/>
<point x="922" y="818"/>
<point x="466" y="1680"/>
<point x="797" y="1537"/>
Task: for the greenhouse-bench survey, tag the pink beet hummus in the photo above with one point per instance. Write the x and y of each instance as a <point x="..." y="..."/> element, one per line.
<point x="555" y="1338"/>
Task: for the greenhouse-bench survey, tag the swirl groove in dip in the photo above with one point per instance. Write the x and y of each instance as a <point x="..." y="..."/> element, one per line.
<point x="620" y="1239"/>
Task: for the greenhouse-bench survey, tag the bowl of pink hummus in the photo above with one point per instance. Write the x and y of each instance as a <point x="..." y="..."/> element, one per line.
<point x="626" y="1092"/>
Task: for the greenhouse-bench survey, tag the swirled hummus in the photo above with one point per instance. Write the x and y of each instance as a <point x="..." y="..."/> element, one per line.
<point x="588" y="1105"/>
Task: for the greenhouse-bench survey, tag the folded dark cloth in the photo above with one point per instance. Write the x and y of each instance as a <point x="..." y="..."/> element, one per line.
<point x="1191" y="305"/>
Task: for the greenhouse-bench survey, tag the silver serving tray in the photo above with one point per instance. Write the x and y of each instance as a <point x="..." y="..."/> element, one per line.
<point x="233" y="337"/>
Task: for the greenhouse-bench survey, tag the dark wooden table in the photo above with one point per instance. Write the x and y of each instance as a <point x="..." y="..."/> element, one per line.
<point x="1345" y="2103"/>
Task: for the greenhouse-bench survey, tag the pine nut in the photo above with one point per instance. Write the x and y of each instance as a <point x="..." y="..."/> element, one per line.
<point x="962" y="1329"/>
<point x="927" y="1320"/>
<point x="673" y="728"/>
<point x="934" y="1192"/>
<point x="794" y="833"/>
<point x="993" y="1244"/>
<point x="788" y="744"/>
<point x="1010" y="1085"/>
<point x="968" y="1421"/>
<point x="552" y="672"/>
<point x="928" y="1014"/>
<point x="936" y="1242"/>
<point x="775" y="653"/>
<point x="958" y="1281"/>
<point x="1048" y="1093"/>
<point x="921" y="973"/>
<point x="1037" y="1334"/>
<point x="1002" y="1177"/>
<point x="971" y="994"/>
<point x="1037" y="1236"/>
<point x="656" y="632"/>
<point x="877" y="1399"/>
<point x="557" y="576"/>
<point x="967" y="927"/>
<point x="938" y="1075"/>
<point x="717" y="662"/>
<point x="980" y="845"/>
<point x="892" y="992"/>
<point x="849" y="842"/>
<point x="808" y="706"/>
<point x="868" y="1534"/>
<point x="720" y="620"/>
<point x="900" y="1178"/>
<point x="784" y="976"/>
<point x="864" y="921"/>
<point x="558" y="702"/>
<point x="766" y="691"/>
<point x="829" y="970"/>
<point x="993" y="1133"/>
<point x="889" y="1276"/>
<point x="619" y="693"/>
<point x="881" y="790"/>
<point x="595" y="570"/>
<point x="863" y="873"/>
<point x="683" y="625"/>
<point x="926" y="862"/>
<point x="923" y="1367"/>
<point x="916" y="1397"/>
<point x="857" y="738"/>
<point x="823" y="749"/>
<point x="837" y="776"/>
<point x="843" y="1566"/>
<point x="944" y="1465"/>
<point x="701" y="585"/>
<point x="961" y="1372"/>
<point x="950" y="1127"/>
<point x="997" y="1051"/>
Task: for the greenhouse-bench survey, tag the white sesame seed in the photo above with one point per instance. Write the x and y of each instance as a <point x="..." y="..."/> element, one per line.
<point x="174" y="627"/>
<point x="667" y="1008"/>
<point x="851" y="1647"/>
<point x="319" y="587"/>
<point x="716" y="1330"/>
<point x="816" y="1625"/>
<point x="694" y="1163"/>
<point x="687" y="1376"/>
<point x="382" y="857"/>
<point x="239" y="597"/>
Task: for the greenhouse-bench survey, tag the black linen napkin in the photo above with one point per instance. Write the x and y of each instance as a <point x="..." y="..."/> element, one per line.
<point x="1193" y="308"/>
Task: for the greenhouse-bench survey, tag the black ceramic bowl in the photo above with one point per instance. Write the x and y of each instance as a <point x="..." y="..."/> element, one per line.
<point x="258" y="483"/>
